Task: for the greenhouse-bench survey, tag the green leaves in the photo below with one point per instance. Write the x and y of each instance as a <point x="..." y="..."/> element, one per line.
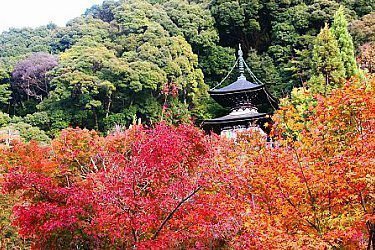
<point x="98" y="79"/>
<point x="328" y="68"/>
<point x="118" y="55"/>
<point x="345" y="43"/>
<point x="5" y="94"/>
<point x="18" y="42"/>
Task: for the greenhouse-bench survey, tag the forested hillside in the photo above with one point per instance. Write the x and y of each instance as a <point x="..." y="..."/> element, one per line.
<point x="124" y="61"/>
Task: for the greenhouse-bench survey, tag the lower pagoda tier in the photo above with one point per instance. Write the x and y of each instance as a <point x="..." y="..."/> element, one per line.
<point x="238" y="120"/>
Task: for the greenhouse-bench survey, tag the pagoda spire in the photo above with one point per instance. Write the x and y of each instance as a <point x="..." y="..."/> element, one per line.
<point x="241" y="63"/>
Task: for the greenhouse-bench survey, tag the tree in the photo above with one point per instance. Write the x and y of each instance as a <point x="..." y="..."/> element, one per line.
<point x="4" y="119"/>
<point x="123" y="78"/>
<point x="317" y="191"/>
<point x="367" y="57"/>
<point x="88" y="28"/>
<point x="8" y="234"/>
<point x="328" y="69"/>
<point x="177" y="62"/>
<point x="195" y="22"/>
<point x="296" y="111"/>
<point x="84" y="84"/>
<point x="236" y="21"/>
<point x="5" y="92"/>
<point x="23" y="131"/>
<point x="17" y="43"/>
<point x="263" y="68"/>
<point x="30" y="77"/>
<point x="363" y="29"/>
<point x="345" y="43"/>
<point x="362" y="7"/>
<point x="166" y="187"/>
<point x="141" y="188"/>
<point x="280" y="32"/>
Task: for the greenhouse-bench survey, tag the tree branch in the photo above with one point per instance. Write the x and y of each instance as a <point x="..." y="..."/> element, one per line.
<point x="174" y="211"/>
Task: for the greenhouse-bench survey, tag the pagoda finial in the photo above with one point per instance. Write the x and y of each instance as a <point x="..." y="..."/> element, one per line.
<point x="241" y="62"/>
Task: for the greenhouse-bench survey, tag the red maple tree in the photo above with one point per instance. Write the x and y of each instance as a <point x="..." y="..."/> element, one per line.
<point x="175" y="187"/>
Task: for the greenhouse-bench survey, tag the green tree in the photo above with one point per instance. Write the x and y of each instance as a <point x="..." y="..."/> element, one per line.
<point x="25" y="132"/>
<point x="195" y="22"/>
<point x="158" y="43"/>
<point x="328" y="69"/>
<point x="361" y="7"/>
<point x="4" y="119"/>
<point x="237" y="21"/>
<point x="157" y="57"/>
<point x="81" y="27"/>
<point x="123" y="77"/>
<point x="82" y="85"/>
<point x="5" y="92"/>
<point x="19" y="42"/>
<point x="215" y="62"/>
<point x="345" y="42"/>
<point x="263" y="68"/>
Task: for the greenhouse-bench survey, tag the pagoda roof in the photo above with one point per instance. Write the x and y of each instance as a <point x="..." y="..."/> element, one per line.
<point x="243" y="91"/>
<point x="241" y="85"/>
<point x="231" y="118"/>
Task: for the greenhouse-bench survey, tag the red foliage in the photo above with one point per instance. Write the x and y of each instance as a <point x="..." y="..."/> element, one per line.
<point x="174" y="187"/>
<point x="140" y="188"/>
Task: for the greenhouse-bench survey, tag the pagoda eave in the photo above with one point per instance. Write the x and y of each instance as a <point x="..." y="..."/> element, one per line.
<point x="236" y="91"/>
<point x="233" y="99"/>
<point x="231" y="119"/>
<point x="217" y="125"/>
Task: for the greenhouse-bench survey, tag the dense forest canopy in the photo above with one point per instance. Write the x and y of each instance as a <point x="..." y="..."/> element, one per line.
<point x="123" y="61"/>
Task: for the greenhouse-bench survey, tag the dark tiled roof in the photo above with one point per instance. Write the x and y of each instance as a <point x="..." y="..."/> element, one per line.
<point x="239" y="85"/>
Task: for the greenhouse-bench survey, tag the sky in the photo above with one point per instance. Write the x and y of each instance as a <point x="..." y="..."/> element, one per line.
<point x="34" y="13"/>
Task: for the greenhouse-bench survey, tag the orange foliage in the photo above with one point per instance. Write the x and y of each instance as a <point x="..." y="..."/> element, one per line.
<point x="317" y="191"/>
<point x="174" y="187"/>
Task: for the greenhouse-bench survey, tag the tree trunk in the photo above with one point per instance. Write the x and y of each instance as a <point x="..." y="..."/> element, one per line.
<point x="371" y="239"/>
<point x="108" y="106"/>
<point x="96" y="120"/>
<point x="325" y="85"/>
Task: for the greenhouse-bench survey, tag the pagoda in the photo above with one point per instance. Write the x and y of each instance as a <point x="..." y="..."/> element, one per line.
<point x="250" y="103"/>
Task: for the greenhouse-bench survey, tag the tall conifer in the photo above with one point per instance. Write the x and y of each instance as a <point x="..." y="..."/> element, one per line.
<point x="345" y="42"/>
<point x="328" y="68"/>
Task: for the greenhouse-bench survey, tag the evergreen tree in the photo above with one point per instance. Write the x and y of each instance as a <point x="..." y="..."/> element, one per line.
<point x="5" y="92"/>
<point x="328" y="69"/>
<point x="345" y="42"/>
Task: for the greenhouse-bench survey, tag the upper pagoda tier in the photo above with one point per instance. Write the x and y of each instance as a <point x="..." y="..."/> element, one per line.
<point x="243" y="93"/>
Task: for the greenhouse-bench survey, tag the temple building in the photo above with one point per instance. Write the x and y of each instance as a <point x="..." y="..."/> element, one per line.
<point x="250" y="104"/>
